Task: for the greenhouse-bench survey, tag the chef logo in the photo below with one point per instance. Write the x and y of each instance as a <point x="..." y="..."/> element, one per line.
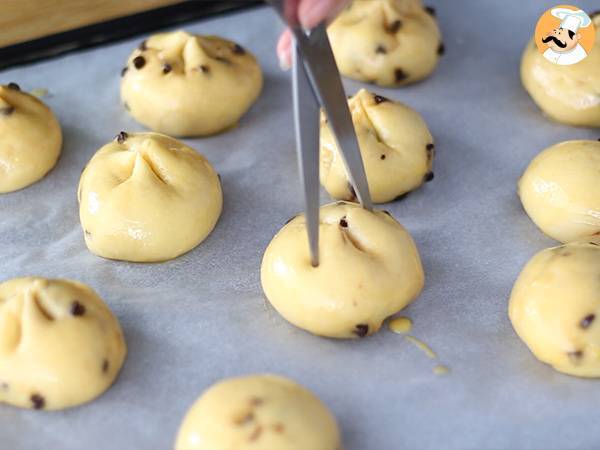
<point x="565" y="35"/>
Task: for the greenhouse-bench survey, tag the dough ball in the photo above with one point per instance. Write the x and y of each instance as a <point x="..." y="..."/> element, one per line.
<point x="260" y="412"/>
<point x="30" y="139"/>
<point x="60" y="345"/>
<point x="555" y="307"/>
<point x="386" y="42"/>
<point x="396" y="147"/>
<point x="189" y="85"/>
<point x="147" y="197"/>
<point x="568" y="94"/>
<point x="560" y="190"/>
<point x="369" y="269"/>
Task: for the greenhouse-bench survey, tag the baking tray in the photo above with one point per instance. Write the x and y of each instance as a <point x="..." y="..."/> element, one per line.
<point x="202" y="317"/>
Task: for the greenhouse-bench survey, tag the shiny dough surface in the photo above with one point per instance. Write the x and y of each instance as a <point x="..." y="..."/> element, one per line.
<point x="560" y="190"/>
<point x="189" y="85"/>
<point x="60" y="345"/>
<point x="396" y="146"/>
<point x="30" y="139"/>
<point x="369" y="269"/>
<point x="568" y="94"/>
<point x="386" y="42"/>
<point x="147" y="197"/>
<point x="555" y="307"/>
<point x="258" y="412"/>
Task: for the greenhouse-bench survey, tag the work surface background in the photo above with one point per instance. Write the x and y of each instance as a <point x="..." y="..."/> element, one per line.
<point x="202" y="317"/>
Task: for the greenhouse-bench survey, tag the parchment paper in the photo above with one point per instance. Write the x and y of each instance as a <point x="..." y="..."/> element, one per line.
<point x="201" y="317"/>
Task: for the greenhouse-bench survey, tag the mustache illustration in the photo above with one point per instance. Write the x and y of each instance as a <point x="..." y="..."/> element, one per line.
<point x="556" y="41"/>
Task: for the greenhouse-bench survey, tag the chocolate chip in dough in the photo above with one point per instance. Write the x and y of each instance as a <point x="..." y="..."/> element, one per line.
<point x="441" y="49"/>
<point x="255" y="434"/>
<point x="139" y="62"/>
<point x="343" y="222"/>
<point x="278" y="428"/>
<point x="105" y="365"/>
<point x="204" y="69"/>
<point x="37" y="401"/>
<point x="428" y="177"/>
<point x="122" y="137"/>
<point x="14" y="86"/>
<point x="430" y="10"/>
<point x="429" y="149"/>
<point x="124" y="71"/>
<point x="380" y="50"/>
<point x="77" y="309"/>
<point x="87" y="234"/>
<point x="382" y="157"/>
<point x="587" y="321"/>
<point x="594" y="243"/>
<point x="143" y="47"/>
<point x="380" y="99"/>
<point x="400" y="75"/>
<point x="7" y="111"/>
<point x="256" y="401"/>
<point x="166" y="68"/>
<point x="239" y="50"/>
<point x="361" y="330"/>
<point x="575" y="356"/>
<point x="243" y="420"/>
<point x="393" y="27"/>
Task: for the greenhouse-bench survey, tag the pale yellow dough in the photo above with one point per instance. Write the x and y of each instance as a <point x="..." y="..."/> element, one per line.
<point x="60" y="345"/>
<point x="560" y="190"/>
<point x="555" y="307"/>
<point x="188" y="85"/>
<point x="386" y="42"/>
<point x="369" y="269"/>
<point x="147" y="197"/>
<point x="259" y="412"/>
<point x="30" y="139"/>
<point x="568" y="94"/>
<point x="396" y="146"/>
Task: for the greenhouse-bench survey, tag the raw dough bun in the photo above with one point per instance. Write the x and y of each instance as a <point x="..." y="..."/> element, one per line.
<point x="555" y="307"/>
<point x="387" y="42"/>
<point x="147" y="197"/>
<point x="560" y="190"/>
<point x="260" y="412"/>
<point x="568" y="94"/>
<point x="30" y="139"/>
<point x="396" y="147"/>
<point x="60" y="345"/>
<point x="369" y="269"/>
<point x="189" y="85"/>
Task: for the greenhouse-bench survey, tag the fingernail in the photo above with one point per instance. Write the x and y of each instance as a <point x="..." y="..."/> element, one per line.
<point x="284" y="62"/>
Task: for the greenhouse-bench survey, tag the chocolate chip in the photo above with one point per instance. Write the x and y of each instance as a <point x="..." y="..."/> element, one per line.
<point x="343" y="222"/>
<point x="594" y="243"/>
<point x="428" y="177"/>
<point x="278" y="428"/>
<point x="361" y="330"/>
<point x="37" y="401"/>
<point x="105" y="366"/>
<point x="238" y="50"/>
<point x="400" y="75"/>
<point x="14" y="86"/>
<point x="244" y="419"/>
<point x="401" y="197"/>
<point x="380" y="49"/>
<point x="77" y="309"/>
<point x="255" y="434"/>
<point x="87" y="234"/>
<point x="379" y="99"/>
<point x="124" y="71"/>
<point x="143" y="47"/>
<point x="430" y="10"/>
<point x="204" y="69"/>
<point x="575" y="356"/>
<point x="166" y="68"/>
<point x="223" y="60"/>
<point x="7" y="111"/>
<point x="441" y="49"/>
<point x="255" y="401"/>
<point x="121" y="137"/>
<point x="394" y="27"/>
<point x="139" y="62"/>
<point x="429" y="148"/>
<point x="587" y="321"/>
<point x="382" y="157"/>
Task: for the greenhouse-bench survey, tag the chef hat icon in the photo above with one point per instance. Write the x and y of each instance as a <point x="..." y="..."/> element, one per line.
<point x="572" y="20"/>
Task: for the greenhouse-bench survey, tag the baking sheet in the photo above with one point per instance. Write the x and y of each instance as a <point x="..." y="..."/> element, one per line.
<point x="201" y="317"/>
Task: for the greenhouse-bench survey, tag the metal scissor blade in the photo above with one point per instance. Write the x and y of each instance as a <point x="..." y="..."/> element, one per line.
<point x="325" y="79"/>
<point x="306" y="117"/>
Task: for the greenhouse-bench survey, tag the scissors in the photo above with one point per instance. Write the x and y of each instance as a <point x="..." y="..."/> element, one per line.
<point x="316" y="82"/>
